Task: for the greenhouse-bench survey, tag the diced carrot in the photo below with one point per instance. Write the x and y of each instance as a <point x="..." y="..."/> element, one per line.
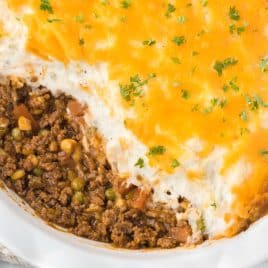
<point x="76" y="108"/>
<point x="181" y="232"/>
<point x="140" y="198"/>
<point x="22" y="110"/>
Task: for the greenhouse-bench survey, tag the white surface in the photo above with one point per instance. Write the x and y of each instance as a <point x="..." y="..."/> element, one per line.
<point x="8" y="265"/>
<point x="29" y="238"/>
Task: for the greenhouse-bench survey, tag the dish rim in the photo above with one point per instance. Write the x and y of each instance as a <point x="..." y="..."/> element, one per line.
<point x="48" y="247"/>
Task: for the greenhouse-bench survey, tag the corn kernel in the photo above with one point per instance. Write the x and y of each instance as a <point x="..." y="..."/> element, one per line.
<point x="68" y="145"/>
<point x="18" y="174"/>
<point x="24" y="124"/>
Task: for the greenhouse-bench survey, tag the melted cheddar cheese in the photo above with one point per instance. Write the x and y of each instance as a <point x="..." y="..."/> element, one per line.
<point x="184" y="68"/>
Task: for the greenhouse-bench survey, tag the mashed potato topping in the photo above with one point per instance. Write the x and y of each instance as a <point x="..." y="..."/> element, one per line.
<point x="176" y="88"/>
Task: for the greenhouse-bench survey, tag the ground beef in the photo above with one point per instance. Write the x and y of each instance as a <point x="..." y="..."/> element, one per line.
<point x="44" y="160"/>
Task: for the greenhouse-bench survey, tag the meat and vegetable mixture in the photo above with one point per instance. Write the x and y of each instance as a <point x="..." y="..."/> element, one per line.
<point x="56" y="163"/>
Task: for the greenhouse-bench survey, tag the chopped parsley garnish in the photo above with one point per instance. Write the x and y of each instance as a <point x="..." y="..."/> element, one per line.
<point x="240" y="29"/>
<point x="81" y="41"/>
<point x="157" y="150"/>
<point x="46" y="6"/>
<point x="255" y="102"/>
<point x="193" y="70"/>
<point x="244" y="116"/>
<point x="208" y="110"/>
<point x="54" y="20"/>
<point x="104" y="2"/>
<point x="223" y="103"/>
<point x="175" y="163"/>
<point x="244" y="131"/>
<point x="201" y="33"/>
<point x="201" y="224"/>
<point x="134" y="88"/>
<point x="123" y="19"/>
<point x="176" y="60"/>
<point x="234" y="29"/>
<point x="214" y="102"/>
<point x="149" y="42"/>
<point x="126" y="3"/>
<point x="195" y="108"/>
<point x="234" y="13"/>
<point x="233" y="84"/>
<point x="185" y="94"/>
<point x="219" y="66"/>
<point x="179" y="40"/>
<point x="225" y="88"/>
<point x="229" y="61"/>
<point x="181" y="19"/>
<point x="96" y="15"/>
<point x="140" y="163"/>
<point x="195" y="53"/>
<point x="80" y="18"/>
<point x="170" y="9"/>
<point x="214" y="205"/>
<point x="263" y="152"/>
<point x="260" y="101"/>
<point x="252" y="103"/>
<point x="204" y="3"/>
<point x="264" y="64"/>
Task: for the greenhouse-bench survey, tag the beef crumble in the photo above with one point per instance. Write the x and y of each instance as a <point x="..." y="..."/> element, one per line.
<point x="56" y="163"/>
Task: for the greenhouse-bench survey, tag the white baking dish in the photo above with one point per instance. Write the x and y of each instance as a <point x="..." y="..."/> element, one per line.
<point x="42" y="246"/>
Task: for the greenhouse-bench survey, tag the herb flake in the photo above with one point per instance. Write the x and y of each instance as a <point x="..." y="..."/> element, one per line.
<point x="185" y="94"/>
<point x="179" y="40"/>
<point x="157" y="150"/>
<point x="181" y="19"/>
<point x="176" y="60"/>
<point x="170" y="9"/>
<point x="263" y="152"/>
<point x="219" y="66"/>
<point x="126" y="3"/>
<point x="244" y="116"/>
<point x="80" y="18"/>
<point x="234" y="13"/>
<point x="201" y="224"/>
<point x="264" y="64"/>
<point x="149" y="42"/>
<point x="140" y="163"/>
<point x="46" y="6"/>
<point x="134" y="88"/>
<point x="175" y="163"/>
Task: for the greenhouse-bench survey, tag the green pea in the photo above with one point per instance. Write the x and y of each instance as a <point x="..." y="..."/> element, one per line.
<point x="78" y="198"/>
<point x="78" y="184"/>
<point x="38" y="172"/>
<point x="16" y="134"/>
<point x="2" y="131"/>
<point x="71" y="175"/>
<point x="110" y="194"/>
